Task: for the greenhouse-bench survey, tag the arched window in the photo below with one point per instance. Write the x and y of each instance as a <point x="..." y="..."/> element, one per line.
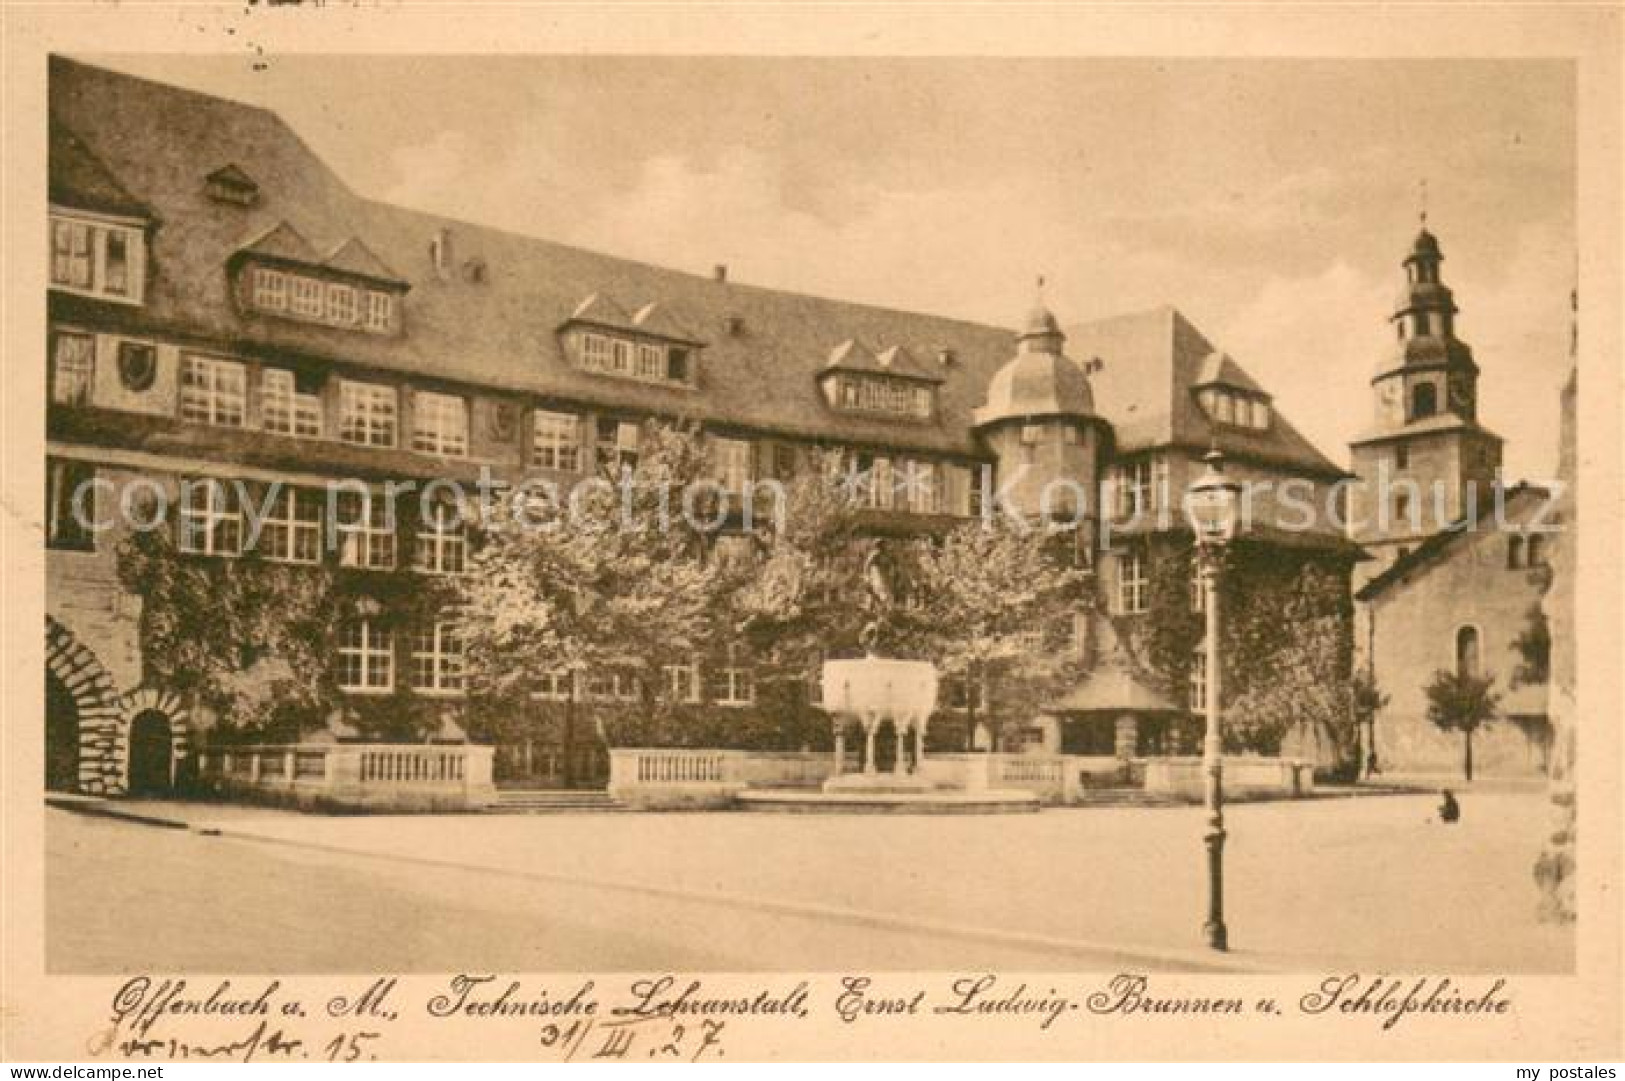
<point x="1424" y="401"/>
<point x="1514" y="552"/>
<point x="1467" y="651"/>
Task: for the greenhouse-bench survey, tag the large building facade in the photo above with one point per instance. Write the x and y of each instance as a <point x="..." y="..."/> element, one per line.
<point x="230" y="323"/>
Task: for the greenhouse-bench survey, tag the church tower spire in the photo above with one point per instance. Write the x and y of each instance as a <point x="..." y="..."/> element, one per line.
<point x="1426" y="462"/>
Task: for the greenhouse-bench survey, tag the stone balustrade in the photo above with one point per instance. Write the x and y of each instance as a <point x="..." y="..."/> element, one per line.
<point x="354" y="776"/>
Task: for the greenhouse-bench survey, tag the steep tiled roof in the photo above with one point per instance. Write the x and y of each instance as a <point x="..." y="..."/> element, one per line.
<point x="1152" y="363"/>
<point x="354" y="257"/>
<point x="1221" y="370"/>
<point x="79" y="179"/>
<point x="763" y="348"/>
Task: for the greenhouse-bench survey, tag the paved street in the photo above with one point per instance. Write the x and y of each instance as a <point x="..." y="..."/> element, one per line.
<point x="1367" y="884"/>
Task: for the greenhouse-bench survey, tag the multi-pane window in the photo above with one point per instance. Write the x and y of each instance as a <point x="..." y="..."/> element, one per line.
<point x="554" y="686"/>
<point x="442" y="539"/>
<point x="213" y="391"/>
<point x="620" y="356"/>
<point x="366" y="657"/>
<point x="270" y="289"/>
<point x="74" y="364"/>
<point x="70" y="505"/>
<point x="341" y="303"/>
<point x="651" y="362"/>
<point x="1133" y="582"/>
<point x="292" y="530"/>
<point x="1198" y="690"/>
<point x="677" y="364"/>
<point x="595" y="351"/>
<point x="1242" y="410"/>
<point x="556" y="441"/>
<point x="733" y="464"/>
<point x="682" y="682"/>
<point x="437" y="660"/>
<point x="366" y="530"/>
<point x="880" y="395"/>
<point x="1198" y="586"/>
<point x="965" y="694"/>
<point x="380" y="311"/>
<point x="211" y="519"/>
<point x="617" y="445"/>
<point x="1142" y="486"/>
<point x="736" y="680"/>
<point x="440" y="423"/>
<point x="367" y="414"/>
<point x="612" y="684"/>
<point x="98" y="258"/>
<point x="307" y="296"/>
<point x="919" y="486"/>
<point x="881" y="488"/>
<point x="287" y="410"/>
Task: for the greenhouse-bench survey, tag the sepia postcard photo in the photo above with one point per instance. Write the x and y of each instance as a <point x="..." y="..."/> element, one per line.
<point x="841" y="535"/>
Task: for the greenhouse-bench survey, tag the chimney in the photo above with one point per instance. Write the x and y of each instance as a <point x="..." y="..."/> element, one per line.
<point x="719" y="272"/>
<point x="440" y="253"/>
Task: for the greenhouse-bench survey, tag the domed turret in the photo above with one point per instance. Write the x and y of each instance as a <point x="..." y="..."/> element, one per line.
<point x="1039" y="419"/>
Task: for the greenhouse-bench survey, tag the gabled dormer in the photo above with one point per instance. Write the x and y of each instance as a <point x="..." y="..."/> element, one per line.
<point x="651" y="346"/>
<point x="98" y="230"/>
<point x="892" y="382"/>
<point x="280" y="274"/>
<point x="1228" y="395"/>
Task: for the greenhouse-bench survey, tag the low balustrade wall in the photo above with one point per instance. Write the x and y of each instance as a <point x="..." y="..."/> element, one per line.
<point x="1244" y="775"/>
<point x="354" y="776"/>
<point x="676" y="778"/>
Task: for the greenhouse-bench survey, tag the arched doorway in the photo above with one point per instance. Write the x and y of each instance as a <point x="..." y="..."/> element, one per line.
<point x="151" y="754"/>
<point x="61" y="736"/>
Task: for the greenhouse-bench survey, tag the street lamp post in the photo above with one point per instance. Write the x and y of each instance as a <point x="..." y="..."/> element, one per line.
<point x="1211" y="506"/>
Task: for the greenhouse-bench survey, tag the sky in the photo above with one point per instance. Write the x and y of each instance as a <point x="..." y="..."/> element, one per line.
<point x="1271" y="201"/>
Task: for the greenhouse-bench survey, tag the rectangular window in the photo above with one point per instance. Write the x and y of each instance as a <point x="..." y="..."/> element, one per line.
<point x="621" y="360"/>
<point x="380" y="311"/>
<point x="595" y="352"/>
<point x="651" y="362"/>
<point x="442" y="540"/>
<point x="437" y="660"/>
<point x="270" y="290"/>
<point x="366" y="530"/>
<point x="736" y="680"/>
<point x="341" y="304"/>
<point x="307" y="296"/>
<point x="1142" y="487"/>
<point x="70" y="253"/>
<point x="284" y="409"/>
<point x="367" y="414"/>
<point x="211" y="521"/>
<point x="617" y="445"/>
<point x="920" y="487"/>
<point x="292" y="530"/>
<point x="882" y="484"/>
<point x="1133" y="584"/>
<point x="74" y="368"/>
<point x="1198" y="586"/>
<point x="553" y="686"/>
<point x="732" y="463"/>
<point x="366" y="658"/>
<point x="677" y="364"/>
<point x="1198" y="694"/>
<point x="555" y="441"/>
<point x="213" y="391"/>
<point x="99" y="258"/>
<point x="922" y="402"/>
<point x="440" y="424"/>
<point x="682" y="682"/>
<point x="70" y="506"/>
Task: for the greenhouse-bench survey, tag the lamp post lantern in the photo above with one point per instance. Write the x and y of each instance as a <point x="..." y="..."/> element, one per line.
<point x="1211" y="505"/>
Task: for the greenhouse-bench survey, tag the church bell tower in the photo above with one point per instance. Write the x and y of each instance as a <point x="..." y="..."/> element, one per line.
<point x="1426" y="461"/>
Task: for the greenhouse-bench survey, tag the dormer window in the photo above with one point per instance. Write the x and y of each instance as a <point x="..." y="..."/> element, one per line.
<point x="97" y="257"/>
<point x="229" y="184"/>
<point x="890" y="382"/>
<point x="651" y="346"/>
<point x="1236" y="408"/>
<point x="281" y="274"/>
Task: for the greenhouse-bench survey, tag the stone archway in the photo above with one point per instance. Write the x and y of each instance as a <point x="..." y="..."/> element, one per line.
<point x="152" y="706"/>
<point x="81" y="679"/>
<point x="151" y="767"/>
